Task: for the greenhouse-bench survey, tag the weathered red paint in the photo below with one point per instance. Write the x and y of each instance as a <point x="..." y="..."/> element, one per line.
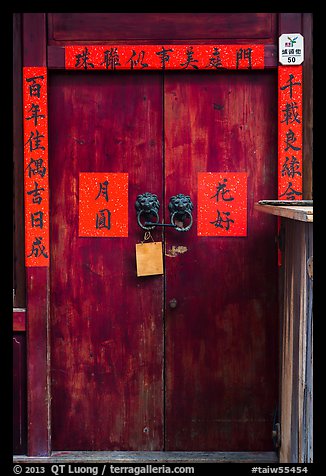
<point x="19" y="320"/>
<point x="106" y="324"/>
<point x="38" y="398"/>
<point x="166" y="57"/>
<point x="156" y="28"/>
<point x="65" y="28"/>
<point x="221" y="339"/>
<point x="37" y="348"/>
<point x="290" y="132"/>
<point x="107" y="351"/>
<point x="19" y="393"/>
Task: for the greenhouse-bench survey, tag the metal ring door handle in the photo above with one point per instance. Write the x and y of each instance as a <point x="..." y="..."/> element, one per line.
<point x="147" y="204"/>
<point x="180" y="207"/>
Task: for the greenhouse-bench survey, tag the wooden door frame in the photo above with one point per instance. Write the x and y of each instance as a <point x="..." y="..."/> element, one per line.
<point x="37" y="53"/>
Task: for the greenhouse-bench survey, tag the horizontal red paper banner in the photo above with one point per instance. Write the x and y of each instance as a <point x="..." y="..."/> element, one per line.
<point x="142" y="57"/>
<point x="36" y="188"/>
<point x="290" y="132"/>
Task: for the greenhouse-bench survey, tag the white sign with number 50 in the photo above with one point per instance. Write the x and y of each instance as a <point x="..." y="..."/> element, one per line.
<point x="290" y="49"/>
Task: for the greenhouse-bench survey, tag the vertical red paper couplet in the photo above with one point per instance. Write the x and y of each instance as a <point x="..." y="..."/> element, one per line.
<point x="290" y="132"/>
<point x="36" y="188"/>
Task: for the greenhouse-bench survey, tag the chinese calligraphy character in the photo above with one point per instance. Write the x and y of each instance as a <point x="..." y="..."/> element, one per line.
<point x="218" y="223"/>
<point x="290" y="113"/>
<point x="82" y="60"/>
<point x="165" y="58"/>
<point x="37" y="141"/>
<point x="34" y="87"/>
<point x="111" y="58"/>
<point x="37" y="198"/>
<point x="215" y="60"/>
<point x="290" y="139"/>
<point x="290" y="193"/>
<point x="37" y="248"/>
<point x="103" y="190"/>
<point x="190" y="59"/>
<point x="290" y="168"/>
<point x="36" y="167"/>
<point x="243" y="54"/>
<point x="103" y="219"/>
<point x="35" y="109"/>
<point x="221" y="188"/>
<point x="139" y="60"/>
<point x="290" y="85"/>
<point x="37" y="219"/>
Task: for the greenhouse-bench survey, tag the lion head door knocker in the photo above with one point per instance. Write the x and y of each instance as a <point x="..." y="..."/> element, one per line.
<point x="180" y="208"/>
<point x="147" y="205"/>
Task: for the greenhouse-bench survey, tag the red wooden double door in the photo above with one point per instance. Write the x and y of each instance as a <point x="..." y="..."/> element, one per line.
<point x="128" y="372"/>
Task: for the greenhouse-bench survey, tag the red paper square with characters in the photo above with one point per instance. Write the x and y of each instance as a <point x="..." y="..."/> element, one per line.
<point x="222" y="204"/>
<point x="103" y="204"/>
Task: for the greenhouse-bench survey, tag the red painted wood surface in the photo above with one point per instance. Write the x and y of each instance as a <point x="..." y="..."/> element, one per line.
<point x="19" y="320"/>
<point x="127" y="27"/>
<point x="18" y="170"/>
<point x="34" y="55"/>
<point x="307" y="107"/>
<point x="290" y="22"/>
<point x="221" y="339"/>
<point x="106" y="331"/>
<point x="34" y="39"/>
<point x="37" y="360"/>
<point x="19" y="394"/>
